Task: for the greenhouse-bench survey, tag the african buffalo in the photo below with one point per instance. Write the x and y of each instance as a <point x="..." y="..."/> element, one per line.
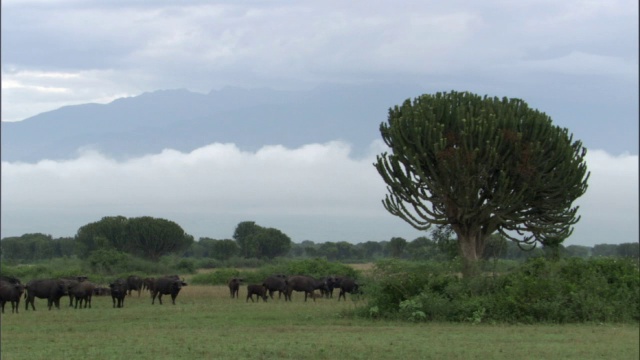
<point x="234" y="286"/>
<point x="82" y="291"/>
<point x="147" y="284"/>
<point x="50" y="289"/>
<point x="167" y="285"/>
<point x="275" y="283"/>
<point x="71" y="281"/>
<point x="256" y="289"/>
<point x="134" y="283"/>
<point x="118" y="292"/>
<point x="303" y="283"/>
<point x="347" y="285"/>
<point x="11" y="289"/>
<point x="331" y="282"/>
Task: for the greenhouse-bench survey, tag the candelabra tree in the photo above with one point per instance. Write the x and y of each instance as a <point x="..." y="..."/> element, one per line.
<point x="481" y="165"/>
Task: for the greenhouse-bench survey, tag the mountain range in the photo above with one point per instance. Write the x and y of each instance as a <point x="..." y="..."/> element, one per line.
<point x="184" y="120"/>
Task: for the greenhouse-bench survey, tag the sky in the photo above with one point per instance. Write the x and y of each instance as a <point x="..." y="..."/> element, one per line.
<point x="575" y="60"/>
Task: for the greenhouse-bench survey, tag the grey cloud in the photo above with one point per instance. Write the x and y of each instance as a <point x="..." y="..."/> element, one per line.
<point x="575" y="60"/>
<point x="317" y="192"/>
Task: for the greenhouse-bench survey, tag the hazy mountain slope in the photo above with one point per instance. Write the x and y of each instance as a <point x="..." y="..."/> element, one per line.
<point x="184" y="120"/>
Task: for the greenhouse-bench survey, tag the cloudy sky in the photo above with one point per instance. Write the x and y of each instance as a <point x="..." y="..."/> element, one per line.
<point x="575" y="60"/>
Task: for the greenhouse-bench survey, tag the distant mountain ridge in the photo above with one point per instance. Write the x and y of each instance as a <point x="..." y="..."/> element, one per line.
<point x="184" y="120"/>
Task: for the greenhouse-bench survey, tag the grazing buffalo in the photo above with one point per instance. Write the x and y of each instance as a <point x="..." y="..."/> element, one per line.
<point x="347" y="285"/>
<point x="234" y="286"/>
<point x="82" y="291"/>
<point x="134" y="283"/>
<point x="303" y="283"/>
<point x="256" y="289"/>
<point x="118" y="292"/>
<point x="11" y="289"/>
<point x="167" y="285"/>
<point x="276" y="283"/>
<point x="50" y="289"/>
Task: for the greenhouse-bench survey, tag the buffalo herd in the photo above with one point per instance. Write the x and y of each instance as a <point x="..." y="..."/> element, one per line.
<point x="301" y="283"/>
<point x="80" y="290"/>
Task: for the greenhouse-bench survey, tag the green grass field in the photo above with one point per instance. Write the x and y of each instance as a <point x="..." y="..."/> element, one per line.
<point x="206" y="324"/>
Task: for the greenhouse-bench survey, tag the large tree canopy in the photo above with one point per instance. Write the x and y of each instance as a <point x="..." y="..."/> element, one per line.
<point x="152" y="238"/>
<point x="144" y="236"/>
<point x="481" y="165"/>
<point x="260" y="242"/>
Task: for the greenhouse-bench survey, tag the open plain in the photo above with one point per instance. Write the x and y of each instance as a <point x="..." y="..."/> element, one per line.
<point x="206" y="323"/>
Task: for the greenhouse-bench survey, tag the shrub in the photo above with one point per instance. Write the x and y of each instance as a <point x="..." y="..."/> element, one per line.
<point x="217" y="277"/>
<point x="572" y="290"/>
<point x="187" y="266"/>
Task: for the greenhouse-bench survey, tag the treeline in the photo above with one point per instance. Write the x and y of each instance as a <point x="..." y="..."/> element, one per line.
<point x="439" y="246"/>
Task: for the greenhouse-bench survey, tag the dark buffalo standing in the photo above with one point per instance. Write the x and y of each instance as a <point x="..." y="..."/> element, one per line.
<point x="50" y="289"/>
<point x="276" y="283"/>
<point x="234" y="286"/>
<point x="71" y="281"/>
<point x="82" y="291"/>
<point x="118" y="292"/>
<point x="167" y="285"/>
<point x="134" y="283"/>
<point x="331" y="283"/>
<point x="256" y="289"/>
<point x="11" y="289"/>
<point x="303" y="283"/>
<point x="347" y="285"/>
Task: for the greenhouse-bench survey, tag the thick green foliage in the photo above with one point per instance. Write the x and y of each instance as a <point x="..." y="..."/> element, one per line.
<point x="102" y="267"/>
<point x="36" y="246"/>
<point x="482" y="165"/>
<point x="567" y="291"/>
<point x="260" y="242"/>
<point x="217" y="277"/>
<point x="145" y="236"/>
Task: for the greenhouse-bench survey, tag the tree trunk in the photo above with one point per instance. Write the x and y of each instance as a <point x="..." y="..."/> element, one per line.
<point x="471" y="247"/>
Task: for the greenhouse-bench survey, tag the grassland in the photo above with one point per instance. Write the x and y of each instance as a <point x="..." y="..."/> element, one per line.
<point x="206" y="324"/>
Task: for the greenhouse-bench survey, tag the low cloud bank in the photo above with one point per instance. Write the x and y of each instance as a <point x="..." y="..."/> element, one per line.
<point x="317" y="192"/>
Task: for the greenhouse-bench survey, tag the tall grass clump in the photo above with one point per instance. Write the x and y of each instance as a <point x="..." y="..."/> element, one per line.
<point x="540" y="291"/>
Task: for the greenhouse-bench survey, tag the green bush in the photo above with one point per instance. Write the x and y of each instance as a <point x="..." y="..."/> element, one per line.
<point x="217" y="277"/>
<point x="108" y="261"/>
<point x="395" y="281"/>
<point x="566" y="291"/>
<point x="101" y="267"/>
<point x="27" y="272"/>
<point x="186" y="266"/>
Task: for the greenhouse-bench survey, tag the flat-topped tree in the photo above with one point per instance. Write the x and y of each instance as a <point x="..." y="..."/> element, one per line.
<point x="481" y="165"/>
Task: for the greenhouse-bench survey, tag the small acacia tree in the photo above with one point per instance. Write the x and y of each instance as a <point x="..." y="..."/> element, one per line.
<point x="481" y="165"/>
